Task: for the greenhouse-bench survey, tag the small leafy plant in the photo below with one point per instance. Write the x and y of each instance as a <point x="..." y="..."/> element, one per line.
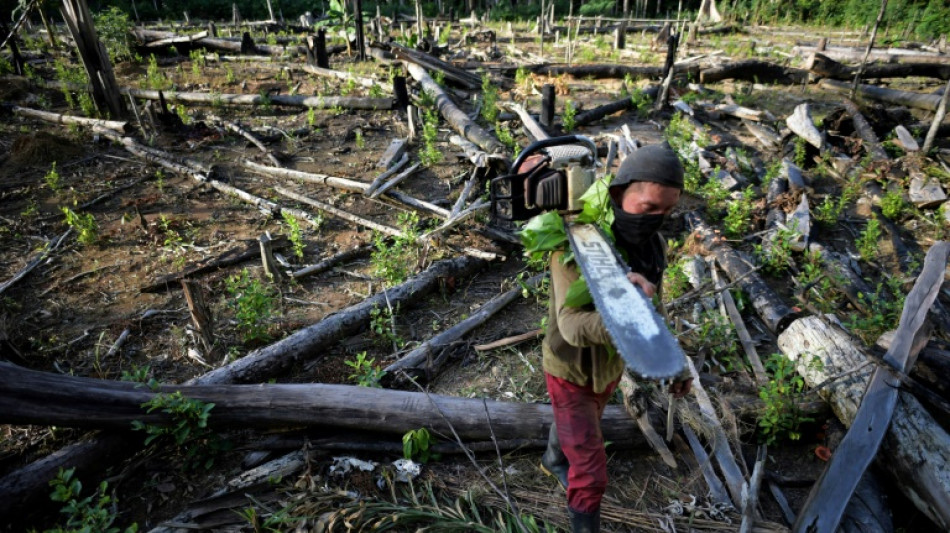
<point x="365" y="372"/>
<point x="430" y="153"/>
<point x="884" y="309"/>
<point x="489" y="99"/>
<point x="568" y="116"/>
<point x="296" y="233"/>
<point x="738" y="215"/>
<point x="189" y="429"/>
<point x="253" y="303"/>
<point x="781" y="417"/>
<point x="867" y="240"/>
<point x="417" y="445"/>
<point x="94" y="513"/>
<point x="83" y="223"/>
<point x="383" y="325"/>
<point x="893" y="205"/>
<point x="395" y="258"/>
<point x="52" y="178"/>
<point x="776" y="256"/>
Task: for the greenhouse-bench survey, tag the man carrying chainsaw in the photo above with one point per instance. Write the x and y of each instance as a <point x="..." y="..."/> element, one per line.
<point x="581" y="373"/>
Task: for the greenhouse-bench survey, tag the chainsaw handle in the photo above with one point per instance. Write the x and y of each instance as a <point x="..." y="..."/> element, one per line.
<point x="554" y="141"/>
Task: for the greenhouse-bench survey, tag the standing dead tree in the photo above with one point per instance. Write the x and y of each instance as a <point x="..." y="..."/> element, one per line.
<point x="105" y="91"/>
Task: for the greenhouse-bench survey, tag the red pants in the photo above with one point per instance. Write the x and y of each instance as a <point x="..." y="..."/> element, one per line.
<point x="577" y="412"/>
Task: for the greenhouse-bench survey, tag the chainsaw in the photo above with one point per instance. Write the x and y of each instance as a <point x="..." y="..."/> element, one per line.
<point x="553" y="174"/>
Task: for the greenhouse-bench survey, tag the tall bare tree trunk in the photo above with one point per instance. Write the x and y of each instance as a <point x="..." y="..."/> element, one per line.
<point x="105" y="91"/>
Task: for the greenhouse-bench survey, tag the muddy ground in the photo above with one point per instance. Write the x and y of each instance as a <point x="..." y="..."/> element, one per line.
<point x="66" y="315"/>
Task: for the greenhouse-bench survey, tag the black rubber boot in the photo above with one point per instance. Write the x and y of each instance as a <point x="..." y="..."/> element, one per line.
<point x="553" y="462"/>
<point x="584" y="522"/>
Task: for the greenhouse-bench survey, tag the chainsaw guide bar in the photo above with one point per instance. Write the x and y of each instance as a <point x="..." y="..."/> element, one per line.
<point x="639" y="333"/>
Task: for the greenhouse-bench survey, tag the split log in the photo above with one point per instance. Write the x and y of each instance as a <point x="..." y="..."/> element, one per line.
<point x="430" y="349"/>
<point x="57" y="118"/>
<point x="32" y="481"/>
<point x="32" y="397"/>
<point x="823" y="66"/>
<point x="453" y="115"/>
<point x="826" y="502"/>
<point x="913" y="438"/>
<point x="801" y="123"/>
<point x="316" y="102"/>
<point x="770" y="308"/>
<point x="892" y="96"/>
<point x="383" y="176"/>
<point x="754" y="70"/>
<point x="845" y="279"/>
<point x="623" y="104"/>
<point x="95" y="58"/>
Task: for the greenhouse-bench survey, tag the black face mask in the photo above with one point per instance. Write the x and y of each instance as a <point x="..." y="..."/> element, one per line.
<point x="632" y="230"/>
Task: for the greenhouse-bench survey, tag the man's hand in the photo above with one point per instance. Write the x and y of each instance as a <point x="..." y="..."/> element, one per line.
<point x="681" y="388"/>
<point x="637" y="279"/>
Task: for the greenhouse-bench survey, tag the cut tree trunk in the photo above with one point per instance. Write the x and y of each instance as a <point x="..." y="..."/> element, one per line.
<point x="616" y="106"/>
<point x="453" y="115"/>
<point x="57" y="118"/>
<point x="916" y="450"/>
<point x="754" y="70"/>
<point x="891" y="96"/>
<point x="32" y="397"/>
<point x="611" y="71"/>
<point x="864" y="130"/>
<point x="769" y="306"/>
<point x="823" y="66"/>
<point x="318" y="102"/>
<point x="31" y="483"/>
<point x="826" y="502"/>
<point x="95" y="58"/>
<point x="890" y="56"/>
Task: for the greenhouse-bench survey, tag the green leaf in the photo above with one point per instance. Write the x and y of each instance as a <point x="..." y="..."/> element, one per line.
<point x="578" y="295"/>
<point x="544" y="233"/>
<point x="597" y="208"/>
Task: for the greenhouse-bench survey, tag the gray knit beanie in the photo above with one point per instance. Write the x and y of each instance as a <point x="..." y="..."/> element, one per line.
<point x="656" y="162"/>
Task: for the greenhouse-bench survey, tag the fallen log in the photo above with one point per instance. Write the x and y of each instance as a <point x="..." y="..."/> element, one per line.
<point x="453" y="115"/>
<point x="913" y="438"/>
<point x="276" y="358"/>
<point x="864" y="130"/>
<point x="213" y="99"/>
<point x="623" y="104"/>
<point x="610" y="71"/>
<point x="429" y="350"/>
<point x="770" y="308"/>
<point x="462" y="77"/>
<point x="754" y="70"/>
<point x="891" y="96"/>
<point x="212" y="43"/>
<point x="823" y="66"/>
<point x="31" y="482"/>
<point x="890" y="56"/>
<point x="33" y="397"/>
<point x="36" y="261"/>
<point x="57" y="118"/>
<point x="346" y="184"/>
<point x="828" y="498"/>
